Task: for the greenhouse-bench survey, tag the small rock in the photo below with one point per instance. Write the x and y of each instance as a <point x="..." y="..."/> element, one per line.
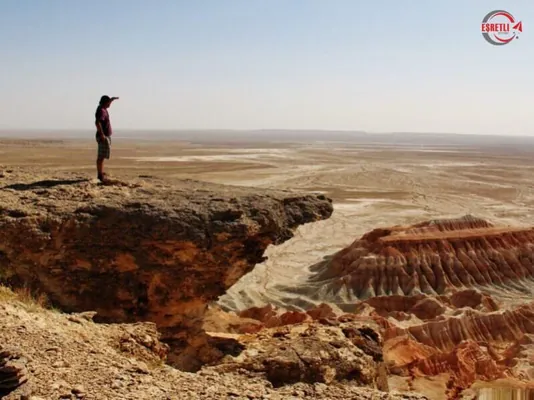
<point x="116" y="385"/>
<point x="12" y="370"/>
<point x="329" y="321"/>
<point x="59" y="384"/>
<point x="122" y="377"/>
<point x="320" y="388"/>
<point x="78" y="389"/>
<point x="207" y="372"/>
<point x="88" y="315"/>
<point x="60" y="364"/>
<point x="145" y="379"/>
<point x="140" y="367"/>
<point x="54" y="348"/>
<point x="75" y="318"/>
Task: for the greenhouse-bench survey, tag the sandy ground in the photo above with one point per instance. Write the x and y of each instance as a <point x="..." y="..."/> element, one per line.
<point x="372" y="185"/>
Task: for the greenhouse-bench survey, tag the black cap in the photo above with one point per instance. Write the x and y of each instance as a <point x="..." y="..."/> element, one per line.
<point x="105" y="99"/>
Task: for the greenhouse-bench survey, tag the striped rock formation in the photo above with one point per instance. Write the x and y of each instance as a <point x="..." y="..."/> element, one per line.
<point x="433" y="257"/>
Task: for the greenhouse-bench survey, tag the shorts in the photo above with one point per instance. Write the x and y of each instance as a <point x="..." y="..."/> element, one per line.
<point x="104" y="148"/>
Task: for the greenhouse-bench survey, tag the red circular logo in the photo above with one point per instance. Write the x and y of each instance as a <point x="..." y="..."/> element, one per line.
<point x="499" y="27"/>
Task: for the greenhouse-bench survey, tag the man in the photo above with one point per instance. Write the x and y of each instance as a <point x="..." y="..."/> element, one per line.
<point x="103" y="134"/>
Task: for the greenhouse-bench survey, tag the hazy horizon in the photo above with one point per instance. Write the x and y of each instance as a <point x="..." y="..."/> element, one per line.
<point x="247" y="65"/>
<point x="243" y="137"/>
<point x="266" y="130"/>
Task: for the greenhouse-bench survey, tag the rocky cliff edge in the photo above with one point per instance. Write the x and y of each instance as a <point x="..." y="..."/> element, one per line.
<point x="142" y="250"/>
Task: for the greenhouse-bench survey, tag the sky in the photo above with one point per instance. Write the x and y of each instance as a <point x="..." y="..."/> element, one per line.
<point x="378" y="66"/>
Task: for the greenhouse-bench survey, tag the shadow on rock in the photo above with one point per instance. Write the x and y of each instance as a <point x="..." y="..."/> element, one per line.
<point x="44" y="184"/>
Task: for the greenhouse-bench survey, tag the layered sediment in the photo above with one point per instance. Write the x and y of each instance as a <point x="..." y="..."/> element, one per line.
<point x="433" y="257"/>
<point x="451" y="298"/>
<point x="447" y="333"/>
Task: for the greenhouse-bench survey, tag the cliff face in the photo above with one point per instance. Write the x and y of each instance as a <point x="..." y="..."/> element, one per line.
<point x="432" y="257"/>
<point x="143" y="250"/>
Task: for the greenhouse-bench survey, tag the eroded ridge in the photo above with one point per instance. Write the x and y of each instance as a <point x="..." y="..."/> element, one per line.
<point x="446" y="334"/>
<point x="431" y="257"/>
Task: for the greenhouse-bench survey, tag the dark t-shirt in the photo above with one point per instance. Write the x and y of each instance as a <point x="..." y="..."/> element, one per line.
<point x="102" y="116"/>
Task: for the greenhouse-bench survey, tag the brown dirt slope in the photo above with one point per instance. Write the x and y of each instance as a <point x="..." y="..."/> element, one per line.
<point x="72" y="357"/>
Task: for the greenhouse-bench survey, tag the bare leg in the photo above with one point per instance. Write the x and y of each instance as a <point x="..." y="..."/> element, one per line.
<point x="100" y="168"/>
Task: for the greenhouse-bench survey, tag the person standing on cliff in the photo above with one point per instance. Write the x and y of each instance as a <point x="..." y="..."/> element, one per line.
<point x="103" y="134"/>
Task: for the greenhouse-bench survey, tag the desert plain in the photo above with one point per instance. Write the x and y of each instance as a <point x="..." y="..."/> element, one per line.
<point x="375" y="181"/>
